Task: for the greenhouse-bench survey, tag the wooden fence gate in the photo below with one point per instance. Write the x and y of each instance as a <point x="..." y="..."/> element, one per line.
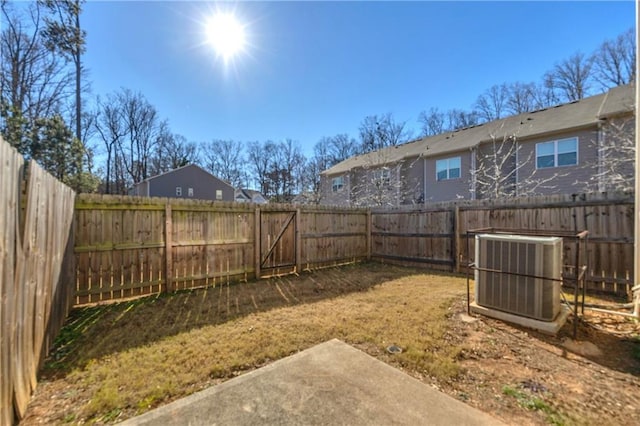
<point x="278" y="230"/>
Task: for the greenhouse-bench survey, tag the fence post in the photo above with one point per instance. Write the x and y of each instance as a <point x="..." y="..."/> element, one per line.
<point x="168" y="249"/>
<point x="256" y="242"/>
<point x="456" y="239"/>
<point x="298" y="242"/>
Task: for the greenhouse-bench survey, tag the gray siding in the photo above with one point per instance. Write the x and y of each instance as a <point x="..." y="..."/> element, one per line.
<point x="558" y="180"/>
<point x="338" y="198"/>
<point x="617" y="158"/>
<point x="450" y="189"/>
<point x="495" y="169"/>
<point x="412" y="173"/>
<point x="204" y="185"/>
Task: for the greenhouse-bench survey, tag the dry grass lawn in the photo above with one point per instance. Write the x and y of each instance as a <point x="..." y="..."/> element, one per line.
<point x="116" y="361"/>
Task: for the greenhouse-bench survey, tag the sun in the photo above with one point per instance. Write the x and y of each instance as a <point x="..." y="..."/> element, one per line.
<point x="226" y="34"/>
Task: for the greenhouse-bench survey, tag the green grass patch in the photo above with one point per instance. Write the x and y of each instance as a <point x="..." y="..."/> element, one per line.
<point x="532" y="402"/>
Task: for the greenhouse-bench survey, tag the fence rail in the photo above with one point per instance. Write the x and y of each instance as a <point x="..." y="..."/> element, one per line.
<point x="607" y="217"/>
<point x="36" y="268"/>
<point x="127" y="247"/>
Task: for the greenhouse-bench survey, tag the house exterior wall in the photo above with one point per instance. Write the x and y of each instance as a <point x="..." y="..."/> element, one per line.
<point x="558" y="180"/>
<point x="450" y="189"/>
<point x="338" y="198"/>
<point x="495" y="169"/>
<point x="140" y="190"/>
<point x="204" y="185"/>
<point x="617" y="156"/>
<point x="412" y="175"/>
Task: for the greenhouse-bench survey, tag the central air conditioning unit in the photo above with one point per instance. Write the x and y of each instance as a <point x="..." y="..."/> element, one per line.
<point x="531" y="293"/>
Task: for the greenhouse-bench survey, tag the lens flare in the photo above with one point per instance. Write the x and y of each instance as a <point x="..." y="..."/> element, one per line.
<point x="225" y="34"/>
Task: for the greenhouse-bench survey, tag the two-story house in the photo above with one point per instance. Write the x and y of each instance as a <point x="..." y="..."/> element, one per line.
<point x="569" y="148"/>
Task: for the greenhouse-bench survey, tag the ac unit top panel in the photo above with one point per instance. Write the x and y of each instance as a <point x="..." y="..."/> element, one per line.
<point x="519" y="238"/>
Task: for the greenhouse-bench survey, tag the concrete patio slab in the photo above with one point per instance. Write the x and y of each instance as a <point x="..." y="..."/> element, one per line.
<point x="328" y="384"/>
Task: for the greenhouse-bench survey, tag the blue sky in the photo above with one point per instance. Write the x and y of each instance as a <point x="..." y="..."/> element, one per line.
<point x="315" y="69"/>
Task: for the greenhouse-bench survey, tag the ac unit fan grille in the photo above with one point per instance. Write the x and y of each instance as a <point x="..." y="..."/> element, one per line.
<point x="519" y="290"/>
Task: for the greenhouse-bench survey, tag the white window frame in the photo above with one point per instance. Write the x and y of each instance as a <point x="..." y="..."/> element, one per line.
<point x="337" y="184"/>
<point x="178" y="191"/>
<point x="556" y="153"/>
<point x="382" y="175"/>
<point x="190" y="192"/>
<point x="448" y="168"/>
<point x="218" y="194"/>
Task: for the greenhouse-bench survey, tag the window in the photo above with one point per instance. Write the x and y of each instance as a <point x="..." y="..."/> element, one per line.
<point x="381" y="176"/>
<point x="448" y="168"/>
<point x="218" y="194"/>
<point x="337" y="184"/>
<point x="558" y="153"/>
<point x="190" y="192"/>
<point x="178" y="191"/>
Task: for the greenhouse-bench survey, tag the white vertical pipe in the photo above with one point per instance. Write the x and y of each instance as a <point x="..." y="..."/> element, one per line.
<point x="636" y="245"/>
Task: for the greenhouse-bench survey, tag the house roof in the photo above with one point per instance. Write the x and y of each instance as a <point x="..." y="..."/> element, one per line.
<point x="182" y="168"/>
<point x="250" y="195"/>
<point x="569" y="116"/>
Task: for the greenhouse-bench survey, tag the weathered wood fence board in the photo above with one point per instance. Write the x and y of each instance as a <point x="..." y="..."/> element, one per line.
<point x="37" y="267"/>
<point x="608" y="218"/>
<point x="419" y="237"/>
<point x="122" y="247"/>
<point x="10" y="179"/>
<point x="123" y="251"/>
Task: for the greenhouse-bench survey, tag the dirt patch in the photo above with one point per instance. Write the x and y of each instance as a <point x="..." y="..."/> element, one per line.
<point x="525" y="377"/>
<point x="116" y="361"/>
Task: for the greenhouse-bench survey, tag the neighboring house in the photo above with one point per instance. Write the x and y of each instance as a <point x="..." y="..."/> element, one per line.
<point x="568" y="148"/>
<point x="250" y="196"/>
<point x="190" y="181"/>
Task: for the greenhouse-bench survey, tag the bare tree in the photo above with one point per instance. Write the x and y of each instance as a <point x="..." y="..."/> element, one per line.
<point x="130" y="129"/>
<point x="497" y="166"/>
<point x="614" y="62"/>
<point x="341" y="147"/>
<point x="224" y="158"/>
<point x="143" y="126"/>
<point x="615" y="165"/>
<point x="110" y="127"/>
<point x="286" y="171"/>
<point x="260" y="158"/>
<point x="432" y="122"/>
<point x="311" y="190"/>
<point x="492" y="104"/>
<point x="377" y="132"/>
<point x="383" y="182"/>
<point x="460" y="119"/>
<point x="172" y="151"/>
<point x="521" y="98"/>
<point x="496" y="169"/>
<point x="572" y="77"/>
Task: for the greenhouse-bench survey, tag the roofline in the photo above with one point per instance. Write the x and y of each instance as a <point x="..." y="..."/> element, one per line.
<point x="426" y="154"/>
<point x="182" y="167"/>
<point x="598" y="117"/>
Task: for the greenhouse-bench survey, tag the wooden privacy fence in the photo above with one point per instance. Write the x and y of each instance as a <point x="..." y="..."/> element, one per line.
<point x="36" y="268"/>
<point x="437" y="236"/>
<point x="129" y="246"/>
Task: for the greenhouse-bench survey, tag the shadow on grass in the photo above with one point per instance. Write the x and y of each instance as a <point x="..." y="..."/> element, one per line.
<point x="97" y="331"/>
